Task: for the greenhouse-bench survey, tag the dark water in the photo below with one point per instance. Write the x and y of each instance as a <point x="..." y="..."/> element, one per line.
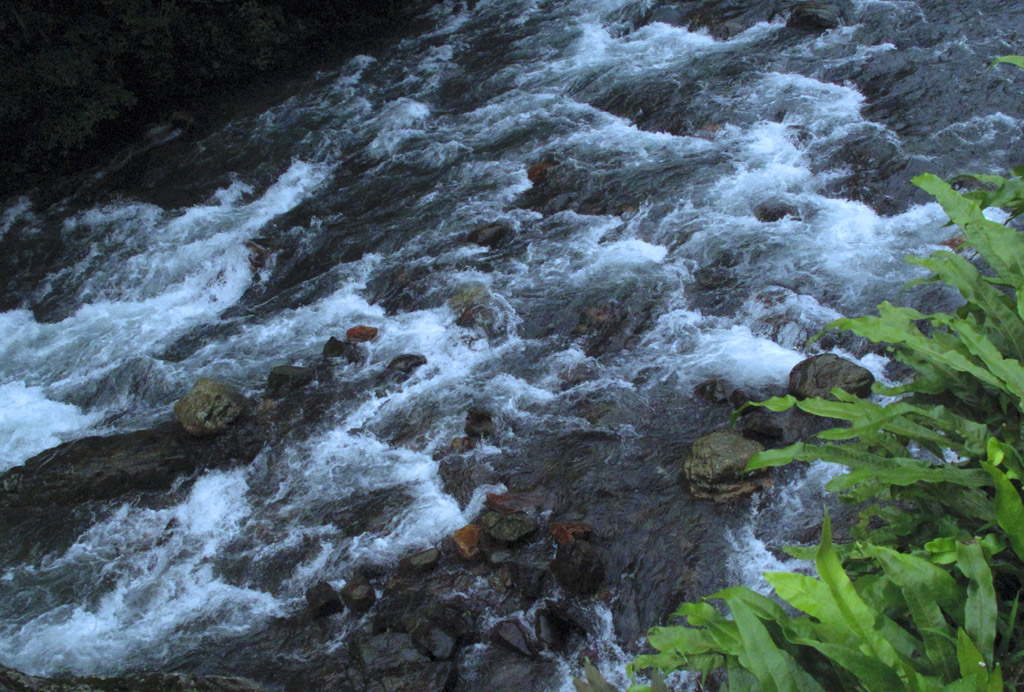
<point x="634" y="271"/>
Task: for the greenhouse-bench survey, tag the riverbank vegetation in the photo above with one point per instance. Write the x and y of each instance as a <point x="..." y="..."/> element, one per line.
<point x="926" y="597"/>
<point x="83" y="76"/>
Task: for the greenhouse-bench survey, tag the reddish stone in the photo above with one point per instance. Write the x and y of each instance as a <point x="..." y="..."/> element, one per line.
<point x="361" y="334"/>
<point x="569" y="531"/>
<point x="467" y="540"/>
<point x="538" y="172"/>
<point x="513" y="502"/>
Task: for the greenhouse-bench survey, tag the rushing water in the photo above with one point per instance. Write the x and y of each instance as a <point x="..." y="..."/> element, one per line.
<point x="358" y="187"/>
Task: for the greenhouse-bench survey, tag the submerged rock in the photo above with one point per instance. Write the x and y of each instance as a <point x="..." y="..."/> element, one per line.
<point x="815" y="15"/>
<point x="492" y="235"/>
<point x="210" y="407"/>
<point x="538" y="172"/>
<point x="716" y="467"/>
<point x="578" y="568"/>
<point x="770" y="212"/>
<point x="391" y="662"/>
<point x="479" y="423"/>
<point x="819" y="375"/>
<point x="406" y="363"/>
<point x="336" y="348"/>
<point x="285" y="379"/>
<point x="568" y="531"/>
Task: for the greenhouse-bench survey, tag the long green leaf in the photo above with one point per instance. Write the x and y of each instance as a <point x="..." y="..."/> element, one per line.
<point x="1009" y="509"/>
<point x="980" y="608"/>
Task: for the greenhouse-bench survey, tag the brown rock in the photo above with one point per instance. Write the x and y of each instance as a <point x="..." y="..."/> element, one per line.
<point x="460" y="445"/>
<point x="507" y="503"/>
<point x="538" y="172"/>
<point x="361" y="334"/>
<point x="468" y="539"/>
<point x="569" y="531"/>
<point x="358" y="594"/>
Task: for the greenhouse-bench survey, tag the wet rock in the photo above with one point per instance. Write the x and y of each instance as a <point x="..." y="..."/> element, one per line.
<point x="421" y="562"/>
<point x="469" y="295"/>
<point x="514" y="636"/>
<point x="210" y="407"/>
<point x="479" y="423"/>
<point x="554" y="625"/>
<point x="102" y="468"/>
<point x="461" y="445"/>
<point x="508" y="528"/>
<point x="323" y="600"/>
<point x="770" y="212"/>
<point x="479" y="318"/>
<point x="815" y="15"/>
<point x="609" y="328"/>
<point x="361" y="334"/>
<point x="12" y="680"/>
<point x="440" y="627"/>
<point x="358" y="594"/>
<point x="391" y="662"/>
<point x="336" y="348"/>
<point x="578" y="568"/>
<point x="716" y="467"/>
<point x="819" y="375"/>
<point x="407" y="363"/>
<point x="779" y="428"/>
<point x="285" y="379"/>
<point x="492" y="235"/>
<point x="568" y="531"/>
<point x="515" y="502"/>
<point x="538" y="172"/>
<point x="529" y="580"/>
<point x="468" y="540"/>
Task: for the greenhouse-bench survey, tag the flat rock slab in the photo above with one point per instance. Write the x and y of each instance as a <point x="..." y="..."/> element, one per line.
<point x="11" y="679"/>
<point x="102" y="468"/>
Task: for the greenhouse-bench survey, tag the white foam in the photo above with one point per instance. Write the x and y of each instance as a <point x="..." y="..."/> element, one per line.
<point x="153" y="588"/>
<point x="31" y="423"/>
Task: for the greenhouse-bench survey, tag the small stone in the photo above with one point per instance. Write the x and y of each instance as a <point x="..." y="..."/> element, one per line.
<point x="578" y="568"/>
<point x="285" y="379"/>
<point x="508" y="528"/>
<point x="819" y="375"/>
<point x="460" y="445"/>
<point x="210" y="407"/>
<point x="323" y="600"/>
<point x="538" y="172"/>
<point x="336" y="348"/>
<point x="478" y="317"/>
<point x="358" y="594"/>
<point x="569" y="531"/>
<point x="361" y="334"/>
<point x="770" y="212"/>
<point x="479" y="423"/>
<point x="513" y="635"/>
<point x="467" y="540"/>
<point x="492" y="235"/>
<point x="420" y="562"/>
<point x="406" y="363"/>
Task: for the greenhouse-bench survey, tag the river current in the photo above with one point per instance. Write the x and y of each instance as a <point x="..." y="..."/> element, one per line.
<point x="346" y="198"/>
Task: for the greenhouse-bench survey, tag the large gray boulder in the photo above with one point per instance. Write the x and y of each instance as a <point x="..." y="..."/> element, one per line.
<point x="819" y="375"/>
<point x="715" y="469"/>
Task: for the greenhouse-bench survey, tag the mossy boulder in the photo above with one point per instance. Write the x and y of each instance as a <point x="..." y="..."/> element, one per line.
<point x="715" y="469"/>
<point x="210" y="407"/>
